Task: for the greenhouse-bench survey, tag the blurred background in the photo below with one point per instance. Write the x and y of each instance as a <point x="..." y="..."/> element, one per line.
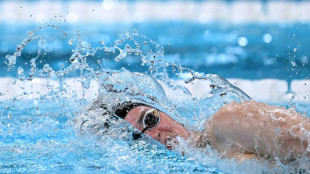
<point x="259" y="45"/>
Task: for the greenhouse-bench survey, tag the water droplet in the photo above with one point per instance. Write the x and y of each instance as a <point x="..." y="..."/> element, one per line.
<point x="70" y="42"/>
<point x="11" y="59"/>
<point x="20" y="70"/>
<point x="121" y="55"/>
<point x="10" y="132"/>
<point x="86" y="84"/>
<point x="46" y="68"/>
<point x="9" y="117"/>
<point x="267" y="38"/>
<point x="243" y="41"/>
<point x="29" y="121"/>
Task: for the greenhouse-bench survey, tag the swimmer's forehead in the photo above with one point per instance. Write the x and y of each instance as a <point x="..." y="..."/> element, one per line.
<point x="140" y="110"/>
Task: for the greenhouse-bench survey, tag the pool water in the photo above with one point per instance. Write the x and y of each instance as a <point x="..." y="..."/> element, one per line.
<point x="42" y="140"/>
<point x="50" y="79"/>
<point x="261" y="50"/>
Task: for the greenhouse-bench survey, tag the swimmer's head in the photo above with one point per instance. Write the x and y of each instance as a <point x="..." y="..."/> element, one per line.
<point x="152" y="122"/>
<point x="139" y="100"/>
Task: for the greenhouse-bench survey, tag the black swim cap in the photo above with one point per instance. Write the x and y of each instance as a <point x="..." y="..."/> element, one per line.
<point x="122" y="110"/>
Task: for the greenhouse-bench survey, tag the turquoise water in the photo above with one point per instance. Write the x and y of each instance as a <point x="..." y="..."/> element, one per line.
<point x="46" y="141"/>
<point x="272" y="50"/>
<point x="38" y="131"/>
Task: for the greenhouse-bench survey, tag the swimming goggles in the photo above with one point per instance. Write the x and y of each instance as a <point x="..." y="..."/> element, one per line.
<point x="150" y="119"/>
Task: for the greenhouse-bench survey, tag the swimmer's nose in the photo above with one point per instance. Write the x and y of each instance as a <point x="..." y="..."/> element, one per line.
<point x="168" y="124"/>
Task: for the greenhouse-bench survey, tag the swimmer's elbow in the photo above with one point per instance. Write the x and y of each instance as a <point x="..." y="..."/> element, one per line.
<point x="292" y="147"/>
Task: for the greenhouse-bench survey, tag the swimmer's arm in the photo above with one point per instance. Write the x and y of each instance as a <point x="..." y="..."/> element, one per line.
<point x="251" y="127"/>
<point x="244" y="156"/>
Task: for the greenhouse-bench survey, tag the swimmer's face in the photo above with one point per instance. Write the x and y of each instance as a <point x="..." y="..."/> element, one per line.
<point x="156" y="124"/>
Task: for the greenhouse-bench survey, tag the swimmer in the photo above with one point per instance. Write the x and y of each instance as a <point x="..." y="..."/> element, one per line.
<point x="237" y="130"/>
<point x="243" y="130"/>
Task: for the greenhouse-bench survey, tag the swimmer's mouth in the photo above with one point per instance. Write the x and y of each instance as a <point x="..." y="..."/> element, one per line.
<point x="170" y="143"/>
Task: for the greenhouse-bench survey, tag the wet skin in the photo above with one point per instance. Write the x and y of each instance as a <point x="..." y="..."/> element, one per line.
<point x="257" y="128"/>
<point x="165" y="131"/>
<point x="238" y="130"/>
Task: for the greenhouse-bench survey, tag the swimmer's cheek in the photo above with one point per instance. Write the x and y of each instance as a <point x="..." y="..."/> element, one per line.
<point x="155" y="134"/>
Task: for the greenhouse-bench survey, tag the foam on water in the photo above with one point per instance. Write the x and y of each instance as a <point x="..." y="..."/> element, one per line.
<point x="42" y="133"/>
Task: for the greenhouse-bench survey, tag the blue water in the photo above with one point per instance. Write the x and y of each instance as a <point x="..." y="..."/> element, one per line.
<point x="42" y="139"/>
<point x="209" y="48"/>
<point x="40" y="135"/>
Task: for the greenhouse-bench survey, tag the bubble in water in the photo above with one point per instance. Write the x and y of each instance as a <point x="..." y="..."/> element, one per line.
<point x="267" y="38"/>
<point x="295" y="49"/>
<point x="243" y="41"/>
